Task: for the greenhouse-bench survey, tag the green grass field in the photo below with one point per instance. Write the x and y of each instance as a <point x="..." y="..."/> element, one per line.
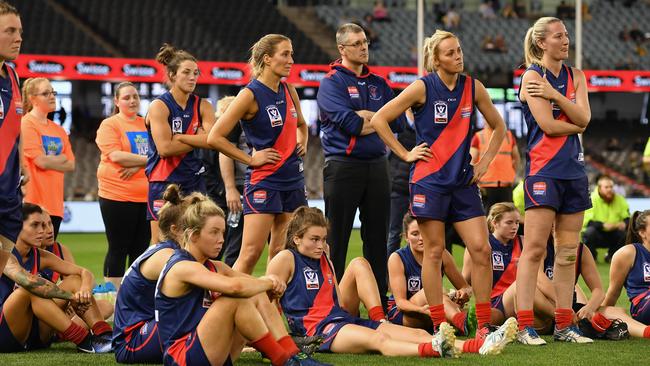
<point x="89" y="250"/>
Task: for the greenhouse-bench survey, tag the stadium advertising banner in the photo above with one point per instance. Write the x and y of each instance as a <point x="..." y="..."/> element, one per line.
<point x="608" y="81"/>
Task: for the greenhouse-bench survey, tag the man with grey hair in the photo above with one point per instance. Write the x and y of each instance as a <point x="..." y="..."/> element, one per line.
<point x="356" y="168"/>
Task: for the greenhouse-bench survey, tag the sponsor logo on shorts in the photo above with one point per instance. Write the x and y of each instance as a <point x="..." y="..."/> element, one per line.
<point x="646" y="271"/>
<point x="497" y="261"/>
<point x="539" y="189"/>
<point x="353" y="91"/>
<point x="157" y="205"/>
<point x="465" y="112"/>
<point x="311" y="279"/>
<point x="414" y="284"/>
<point x="374" y="92"/>
<point x="274" y="115"/>
<point x="328" y="328"/>
<point x="419" y="200"/>
<point x="440" y="112"/>
<point x="259" y="196"/>
<point x="177" y="125"/>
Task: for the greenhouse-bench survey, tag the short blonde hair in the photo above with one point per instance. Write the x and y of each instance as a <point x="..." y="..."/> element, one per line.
<point x="430" y="49"/>
<point x="532" y="52"/>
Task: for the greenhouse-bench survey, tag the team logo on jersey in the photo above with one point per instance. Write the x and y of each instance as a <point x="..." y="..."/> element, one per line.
<point x="419" y="200"/>
<point x="157" y="205"/>
<point x="465" y="112"/>
<point x="274" y="115"/>
<point x="374" y="92"/>
<point x="311" y="279"/>
<point x="209" y="297"/>
<point x="539" y="189"/>
<point x="2" y="109"/>
<point x="353" y="91"/>
<point x="259" y="196"/>
<point x="440" y="112"/>
<point x="414" y="284"/>
<point x="646" y="271"/>
<point x="581" y="157"/>
<point x="177" y="125"/>
<point x="549" y="272"/>
<point x="497" y="261"/>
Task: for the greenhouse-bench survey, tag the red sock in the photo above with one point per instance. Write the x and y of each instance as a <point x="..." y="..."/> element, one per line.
<point x="459" y="321"/>
<point x="563" y="318"/>
<point x="75" y="333"/>
<point x="101" y="327"/>
<point x="646" y="332"/>
<point x="483" y="312"/>
<point x="271" y="349"/>
<point x="289" y="345"/>
<point x="473" y="345"/>
<point x="600" y="323"/>
<point x="376" y="313"/>
<point x="437" y="314"/>
<point x="426" y="350"/>
<point x="525" y="318"/>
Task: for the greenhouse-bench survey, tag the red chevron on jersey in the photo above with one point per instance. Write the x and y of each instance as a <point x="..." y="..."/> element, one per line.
<point x="324" y="301"/>
<point x="10" y="128"/>
<point x="167" y="165"/>
<point x="285" y="143"/>
<point x="510" y="274"/>
<point x="450" y="139"/>
<point x="548" y="146"/>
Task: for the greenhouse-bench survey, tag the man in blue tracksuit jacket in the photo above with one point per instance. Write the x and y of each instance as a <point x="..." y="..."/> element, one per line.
<point x="356" y="168"/>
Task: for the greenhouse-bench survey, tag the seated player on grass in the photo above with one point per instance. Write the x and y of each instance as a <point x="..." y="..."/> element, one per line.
<point x="315" y="304"/>
<point x="408" y="305"/>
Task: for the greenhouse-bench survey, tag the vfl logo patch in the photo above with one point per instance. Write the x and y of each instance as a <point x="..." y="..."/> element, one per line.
<point x="465" y="112"/>
<point x="259" y="196"/>
<point x="353" y="91"/>
<point x="274" y="115"/>
<point x="549" y="272"/>
<point x="209" y="297"/>
<point x="497" y="261"/>
<point x="440" y="112"/>
<point x="374" y="92"/>
<point x="414" y="284"/>
<point x="2" y="109"/>
<point x="539" y="189"/>
<point x="311" y="279"/>
<point x="646" y="271"/>
<point x="419" y="200"/>
<point x="177" y="125"/>
<point x="157" y="205"/>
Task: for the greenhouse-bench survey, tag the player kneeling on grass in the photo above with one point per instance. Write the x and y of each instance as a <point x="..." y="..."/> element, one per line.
<point x="206" y="311"/>
<point x="408" y="305"/>
<point x="630" y="268"/>
<point x="315" y="304"/>
<point x="29" y="321"/>
<point x="62" y="252"/>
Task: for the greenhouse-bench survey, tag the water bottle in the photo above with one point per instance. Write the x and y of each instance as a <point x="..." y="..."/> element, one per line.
<point x="233" y="218"/>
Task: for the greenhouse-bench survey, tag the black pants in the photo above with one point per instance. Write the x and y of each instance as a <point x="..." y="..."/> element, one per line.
<point x="366" y="186"/>
<point x="56" y="222"/>
<point x="399" y="205"/>
<point x="492" y="195"/>
<point x="596" y="238"/>
<point x="128" y="232"/>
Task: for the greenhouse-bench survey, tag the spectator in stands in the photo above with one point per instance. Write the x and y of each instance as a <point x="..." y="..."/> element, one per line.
<point x="373" y="36"/>
<point x="487" y="45"/>
<point x="380" y="12"/>
<point x="606" y="222"/>
<point x="451" y="19"/>
<point x="636" y="34"/>
<point x="124" y="144"/>
<point x="486" y="10"/>
<point x="509" y="12"/>
<point x="535" y="8"/>
<point x="624" y="34"/>
<point x="565" y="11"/>
<point x="613" y="144"/>
<point x="356" y="170"/>
<point x="586" y="13"/>
<point x="500" y="43"/>
<point x="47" y="153"/>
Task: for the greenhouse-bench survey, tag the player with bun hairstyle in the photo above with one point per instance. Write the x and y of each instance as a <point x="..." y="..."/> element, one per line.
<point x="177" y="122"/>
<point x="270" y="115"/>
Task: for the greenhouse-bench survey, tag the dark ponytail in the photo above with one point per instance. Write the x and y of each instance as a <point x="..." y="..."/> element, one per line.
<point x="638" y="222"/>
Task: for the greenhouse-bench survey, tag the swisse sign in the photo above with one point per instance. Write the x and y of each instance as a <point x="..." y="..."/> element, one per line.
<point x="642" y="81"/>
<point x="227" y="73"/>
<point x="44" y="67"/>
<point x="605" y="81"/>
<point x="138" y="70"/>
<point x="312" y="75"/>
<point x="92" y="68"/>
<point x="402" y="77"/>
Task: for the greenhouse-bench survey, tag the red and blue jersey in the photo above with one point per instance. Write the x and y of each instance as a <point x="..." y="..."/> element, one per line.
<point x="48" y="273"/>
<point x="135" y="299"/>
<point x="558" y="157"/>
<point x="274" y="126"/>
<point x="183" y="168"/>
<point x="177" y="316"/>
<point x="504" y="264"/>
<point x="443" y="123"/>
<point x="341" y="93"/>
<point x="637" y="282"/>
<point x="412" y="273"/>
<point x="32" y="264"/>
<point x="11" y="111"/>
<point x="310" y="297"/>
